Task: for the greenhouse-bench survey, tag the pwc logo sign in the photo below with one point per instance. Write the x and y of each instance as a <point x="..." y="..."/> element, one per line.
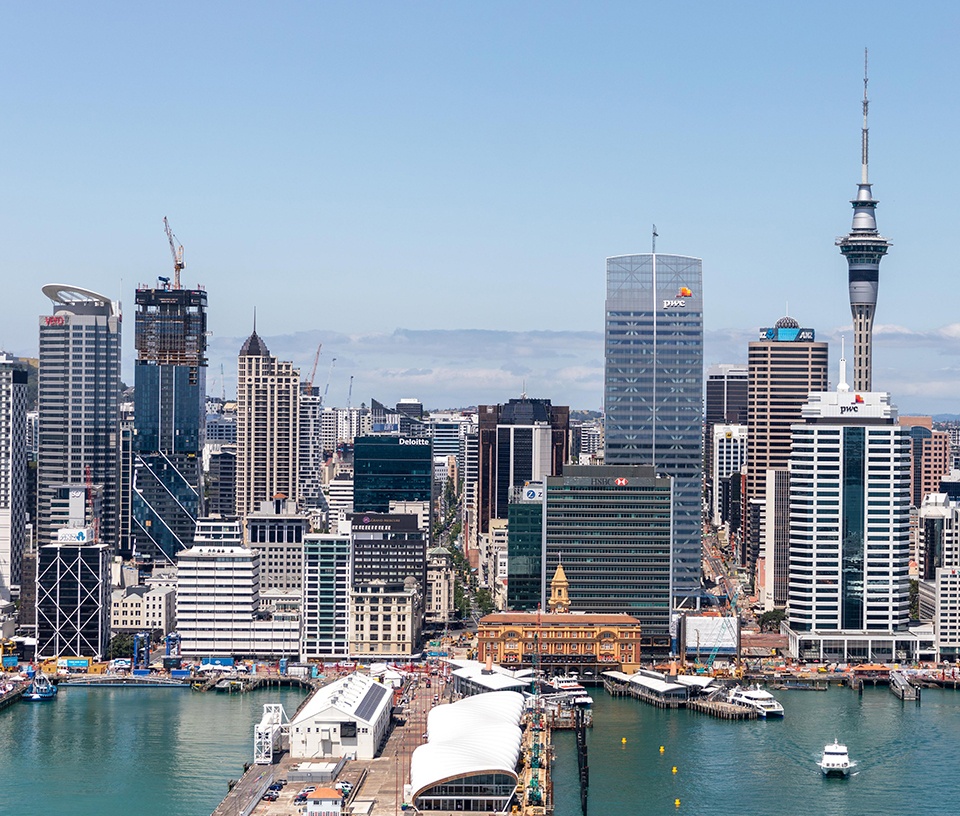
<point x="679" y="302"/>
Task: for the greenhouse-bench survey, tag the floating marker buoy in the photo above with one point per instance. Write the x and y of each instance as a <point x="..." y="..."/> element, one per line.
<point x="674" y="769"/>
<point x="623" y="740"/>
<point x="676" y="803"/>
<point x="661" y="749"/>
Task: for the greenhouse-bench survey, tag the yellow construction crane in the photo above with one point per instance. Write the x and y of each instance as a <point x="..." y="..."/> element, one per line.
<point x="308" y="385"/>
<point x="176" y="249"/>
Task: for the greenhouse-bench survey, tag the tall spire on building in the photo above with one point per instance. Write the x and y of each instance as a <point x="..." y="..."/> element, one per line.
<point x="863" y="248"/>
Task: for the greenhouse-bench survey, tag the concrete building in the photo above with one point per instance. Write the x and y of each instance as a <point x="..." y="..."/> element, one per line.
<point x="728" y="455"/>
<point x="327" y="582"/>
<point x="653" y="388"/>
<point x="439" y="607"/>
<point x="311" y="453"/>
<point x="849" y="530"/>
<point x="524" y="440"/>
<point x="276" y="531"/>
<point x="930" y="457"/>
<point x="388" y="547"/>
<point x="339" y="501"/>
<point x="13" y="474"/>
<point x="218" y="600"/>
<point x="725" y="404"/>
<point x="610" y="526"/>
<point x="784" y="365"/>
<point x="170" y="419"/>
<point x="349" y="717"/>
<point x="268" y="427"/>
<point x="79" y="396"/>
<point x="386" y="619"/>
<point x="143" y="609"/>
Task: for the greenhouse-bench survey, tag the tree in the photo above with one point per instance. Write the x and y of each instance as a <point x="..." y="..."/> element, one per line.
<point x="770" y="621"/>
<point x="485" y="601"/>
<point x="120" y="646"/>
<point x="914" y="599"/>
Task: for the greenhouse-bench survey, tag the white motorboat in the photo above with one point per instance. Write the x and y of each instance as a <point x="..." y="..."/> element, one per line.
<point x="765" y="704"/>
<point x="835" y="760"/>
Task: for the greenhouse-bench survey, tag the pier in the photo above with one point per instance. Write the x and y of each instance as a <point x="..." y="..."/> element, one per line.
<point x="13" y="695"/>
<point x="902" y="687"/>
<point x="723" y="710"/>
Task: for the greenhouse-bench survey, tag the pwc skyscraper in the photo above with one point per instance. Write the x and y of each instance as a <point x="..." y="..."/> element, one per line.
<point x="863" y="248"/>
<point x="653" y="387"/>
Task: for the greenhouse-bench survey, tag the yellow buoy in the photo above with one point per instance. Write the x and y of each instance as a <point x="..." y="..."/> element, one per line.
<point x="624" y="740"/>
<point x="661" y="749"/>
<point x="676" y="803"/>
<point x="674" y="769"/>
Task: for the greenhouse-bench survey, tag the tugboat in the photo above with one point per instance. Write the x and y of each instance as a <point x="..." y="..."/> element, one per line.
<point x="40" y="690"/>
<point x="835" y="760"/>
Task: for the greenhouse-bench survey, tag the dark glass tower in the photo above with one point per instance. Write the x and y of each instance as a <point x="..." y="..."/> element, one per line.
<point x="653" y="386"/>
<point x="169" y="425"/>
<point x="863" y="248"/>
<point x="391" y="468"/>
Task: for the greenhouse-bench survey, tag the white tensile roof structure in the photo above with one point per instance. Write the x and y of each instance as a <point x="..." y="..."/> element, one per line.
<point x="479" y="734"/>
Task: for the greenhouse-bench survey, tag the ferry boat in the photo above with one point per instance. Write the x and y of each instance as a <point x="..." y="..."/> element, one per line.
<point x="835" y="760"/>
<point x="564" y="682"/>
<point x="40" y="690"/>
<point x="765" y="704"/>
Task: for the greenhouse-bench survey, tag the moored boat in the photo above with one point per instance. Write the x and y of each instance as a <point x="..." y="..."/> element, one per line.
<point x="40" y="690"/>
<point x="763" y="702"/>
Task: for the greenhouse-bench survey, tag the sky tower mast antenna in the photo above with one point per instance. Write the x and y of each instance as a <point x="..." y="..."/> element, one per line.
<point x="865" y="138"/>
<point x="653" y="239"/>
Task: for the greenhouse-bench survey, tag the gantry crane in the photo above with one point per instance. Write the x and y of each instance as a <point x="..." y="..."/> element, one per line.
<point x="176" y="249"/>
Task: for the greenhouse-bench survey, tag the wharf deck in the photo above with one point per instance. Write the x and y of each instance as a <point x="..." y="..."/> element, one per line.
<point x="13" y="695"/>
<point x="723" y="710"/>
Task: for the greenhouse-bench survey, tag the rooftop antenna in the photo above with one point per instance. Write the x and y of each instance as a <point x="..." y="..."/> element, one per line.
<point x="223" y="387"/>
<point x="653" y="240"/>
<point x="842" y="387"/>
<point x="865" y="136"/>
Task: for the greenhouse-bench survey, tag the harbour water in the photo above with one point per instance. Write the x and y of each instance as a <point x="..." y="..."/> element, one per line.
<point x="908" y="758"/>
<point x="163" y="752"/>
<point x="148" y="752"/>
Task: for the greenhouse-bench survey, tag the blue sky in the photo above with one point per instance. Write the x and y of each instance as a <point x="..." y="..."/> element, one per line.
<point x="358" y="169"/>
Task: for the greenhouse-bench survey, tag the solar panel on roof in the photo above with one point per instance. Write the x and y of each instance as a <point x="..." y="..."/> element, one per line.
<point x="370" y="701"/>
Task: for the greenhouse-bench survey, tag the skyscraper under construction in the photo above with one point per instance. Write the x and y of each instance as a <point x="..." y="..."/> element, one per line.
<point x="170" y="391"/>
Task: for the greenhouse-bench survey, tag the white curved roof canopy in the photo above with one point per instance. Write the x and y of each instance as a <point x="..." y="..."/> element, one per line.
<point x="68" y="295"/>
<point x="477" y="735"/>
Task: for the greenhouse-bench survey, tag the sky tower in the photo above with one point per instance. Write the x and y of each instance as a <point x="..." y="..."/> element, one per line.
<point x="863" y="248"/>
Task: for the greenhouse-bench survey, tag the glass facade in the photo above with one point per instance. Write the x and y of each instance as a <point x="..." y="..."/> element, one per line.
<point x="610" y="528"/>
<point x="653" y="386"/>
<point x="524" y="555"/>
<point x="169" y="419"/>
<point x="391" y="468"/>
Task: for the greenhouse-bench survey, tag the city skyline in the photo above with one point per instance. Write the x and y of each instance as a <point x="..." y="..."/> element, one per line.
<point x="385" y="166"/>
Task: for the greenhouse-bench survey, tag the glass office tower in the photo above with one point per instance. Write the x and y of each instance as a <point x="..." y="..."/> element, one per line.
<point x="391" y="468"/>
<point x="653" y="387"/>
<point x="169" y="419"/>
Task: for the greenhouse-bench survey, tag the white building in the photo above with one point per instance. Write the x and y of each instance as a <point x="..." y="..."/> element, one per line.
<point x="729" y="455"/>
<point x="13" y="473"/>
<point x="350" y="717"/>
<point x="339" y="500"/>
<point x="441" y="577"/>
<point x="850" y="530"/>
<point x="143" y="609"/>
<point x="218" y="606"/>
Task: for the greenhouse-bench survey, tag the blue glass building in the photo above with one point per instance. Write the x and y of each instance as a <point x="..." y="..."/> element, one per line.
<point x="169" y="420"/>
<point x="653" y="387"/>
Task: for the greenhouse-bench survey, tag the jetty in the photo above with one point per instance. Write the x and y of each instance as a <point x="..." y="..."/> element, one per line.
<point x="902" y="687"/>
<point x="13" y="694"/>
